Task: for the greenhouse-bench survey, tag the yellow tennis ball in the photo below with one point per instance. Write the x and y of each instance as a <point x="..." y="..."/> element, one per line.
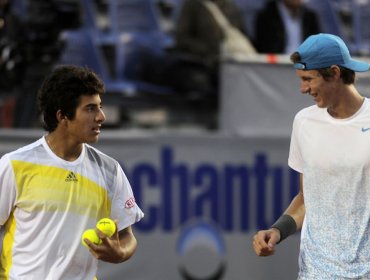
<point x="91" y="235"/>
<point x="106" y="226"/>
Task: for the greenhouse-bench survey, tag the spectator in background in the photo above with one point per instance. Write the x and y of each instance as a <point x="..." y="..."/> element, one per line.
<point x="202" y="30"/>
<point x="166" y="19"/>
<point x="198" y="39"/>
<point x="11" y="47"/>
<point x="43" y="46"/>
<point x="282" y="25"/>
<point x="11" y="61"/>
<point x="197" y="31"/>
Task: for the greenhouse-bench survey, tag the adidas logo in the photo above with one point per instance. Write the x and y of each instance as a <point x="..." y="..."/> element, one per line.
<point x="71" y="177"/>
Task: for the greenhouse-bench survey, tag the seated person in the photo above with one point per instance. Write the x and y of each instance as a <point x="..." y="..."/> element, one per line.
<point x="198" y="33"/>
<point x="198" y="37"/>
<point x="282" y="25"/>
<point x="11" y="47"/>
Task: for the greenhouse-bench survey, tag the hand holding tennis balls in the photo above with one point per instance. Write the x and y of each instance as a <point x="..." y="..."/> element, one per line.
<point x="92" y="236"/>
<point x="106" y="226"/>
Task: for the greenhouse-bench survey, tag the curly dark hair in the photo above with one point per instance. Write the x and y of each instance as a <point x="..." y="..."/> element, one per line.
<point x="62" y="89"/>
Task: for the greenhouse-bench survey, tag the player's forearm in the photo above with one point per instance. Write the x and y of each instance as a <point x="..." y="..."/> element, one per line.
<point x="291" y="220"/>
<point x="297" y="210"/>
<point x="128" y="243"/>
<point x="293" y="217"/>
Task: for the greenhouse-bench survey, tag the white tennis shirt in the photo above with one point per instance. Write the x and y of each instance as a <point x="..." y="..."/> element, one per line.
<point x="334" y="157"/>
<point x="45" y="205"/>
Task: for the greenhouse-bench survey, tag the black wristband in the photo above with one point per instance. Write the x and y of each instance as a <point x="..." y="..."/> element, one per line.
<point x="286" y="225"/>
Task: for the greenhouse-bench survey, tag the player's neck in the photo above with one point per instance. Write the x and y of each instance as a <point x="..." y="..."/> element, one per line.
<point x="63" y="147"/>
<point x="347" y="106"/>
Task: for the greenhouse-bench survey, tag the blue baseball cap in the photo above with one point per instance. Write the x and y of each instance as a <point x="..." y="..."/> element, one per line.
<point x="324" y="50"/>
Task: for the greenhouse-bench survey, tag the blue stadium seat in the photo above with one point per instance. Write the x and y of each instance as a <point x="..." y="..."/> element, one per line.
<point x="328" y="17"/>
<point x="324" y="8"/>
<point x="135" y="34"/>
<point x="360" y="26"/>
<point x="354" y="29"/>
<point x="249" y="9"/>
<point x="19" y="7"/>
<point x="137" y="17"/>
<point x="118" y="54"/>
<point x="89" y="14"/>
<point x="133" y="16"/>
<point x="81" y="49"/>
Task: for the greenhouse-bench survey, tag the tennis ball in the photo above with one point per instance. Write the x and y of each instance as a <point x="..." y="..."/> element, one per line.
<point x="91" y="235"/>
<point x="106" y="226"/>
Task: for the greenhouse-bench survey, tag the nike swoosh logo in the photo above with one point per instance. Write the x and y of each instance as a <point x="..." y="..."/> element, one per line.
<point x="365" y="129"/>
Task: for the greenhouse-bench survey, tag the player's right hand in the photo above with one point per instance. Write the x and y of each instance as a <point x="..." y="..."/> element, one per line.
<point x="264" y="242"/>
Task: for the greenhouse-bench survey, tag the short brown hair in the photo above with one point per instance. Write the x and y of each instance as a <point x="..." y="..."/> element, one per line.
<point x="348" y="76"/>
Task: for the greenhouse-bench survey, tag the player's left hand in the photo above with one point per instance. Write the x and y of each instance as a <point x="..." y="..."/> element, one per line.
<point x="110" y="250"/>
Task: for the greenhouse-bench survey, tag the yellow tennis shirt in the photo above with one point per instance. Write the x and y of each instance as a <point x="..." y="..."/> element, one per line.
<point x="45" y="205"/>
